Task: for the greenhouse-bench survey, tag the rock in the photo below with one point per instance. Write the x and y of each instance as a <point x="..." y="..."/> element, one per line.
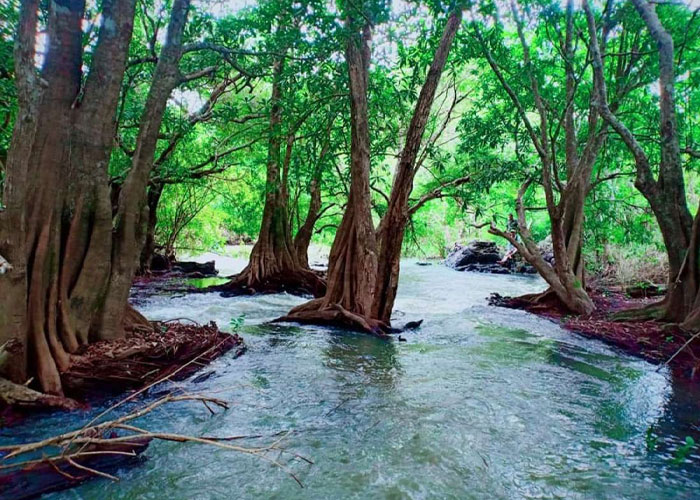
<point x="204" y="269"/>
<point x="476" y="252"/>
<point x="546" y="249"/>
<point x="159" y="262"/>
<point x="483" y="257"/>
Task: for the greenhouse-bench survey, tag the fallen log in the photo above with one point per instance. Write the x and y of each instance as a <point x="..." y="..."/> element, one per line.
<point x="71" y="469"/>
<point x="205" y="269"/>
<point x="22" y="397"/>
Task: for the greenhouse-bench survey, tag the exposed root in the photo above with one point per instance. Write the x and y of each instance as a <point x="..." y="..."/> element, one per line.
<point x="649" y="312"/>
<point x="300" y="282"/>
<point x="314" y="313"/>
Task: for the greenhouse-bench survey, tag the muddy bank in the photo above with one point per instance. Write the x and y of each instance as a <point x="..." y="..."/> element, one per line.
<point x="653" y="341"/>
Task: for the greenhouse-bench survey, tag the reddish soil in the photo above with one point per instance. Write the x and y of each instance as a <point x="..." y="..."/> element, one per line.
<point x="654" y="341"/>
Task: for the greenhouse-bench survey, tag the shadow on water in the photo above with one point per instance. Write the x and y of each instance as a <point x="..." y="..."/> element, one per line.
<point x="371" y="360"/>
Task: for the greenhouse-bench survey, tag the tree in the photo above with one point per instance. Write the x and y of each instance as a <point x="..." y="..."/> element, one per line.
<point x="73" y="268"/>
<point x="362" y="274"/>
<point x="666" y="193"/>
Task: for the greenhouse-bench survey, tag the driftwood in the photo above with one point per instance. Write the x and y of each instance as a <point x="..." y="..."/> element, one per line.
<point x="67" y="471"/>
<point x="71" y="458"/>
<point x="18" y="396"/>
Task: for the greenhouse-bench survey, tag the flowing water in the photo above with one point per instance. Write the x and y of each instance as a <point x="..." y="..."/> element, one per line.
<point x="480" y="402"/>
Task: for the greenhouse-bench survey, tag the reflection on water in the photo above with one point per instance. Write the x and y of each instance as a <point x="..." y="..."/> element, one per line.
<point x="478" y="403"/>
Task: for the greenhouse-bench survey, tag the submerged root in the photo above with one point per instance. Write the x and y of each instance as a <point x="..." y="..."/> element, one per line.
<point x="299" y="282"/>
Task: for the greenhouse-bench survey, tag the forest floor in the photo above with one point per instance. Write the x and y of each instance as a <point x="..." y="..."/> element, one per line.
<point x="654" y="341"/>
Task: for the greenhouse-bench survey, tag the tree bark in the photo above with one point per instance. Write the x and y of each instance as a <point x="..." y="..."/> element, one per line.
<point x="273" y="265"/>
<point x="361" y="286"/>
<point x="65" y="284"/>
<point x="149" y="247"/>
<point x="665" y="193"/>
<point x="393" y="225"/>
<point x="353" y="259"/>
<point x="132" y="211"/>
<point x="566" y="276"/>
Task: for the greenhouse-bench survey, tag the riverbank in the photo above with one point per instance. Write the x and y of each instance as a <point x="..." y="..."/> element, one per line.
<point x="654" y="341"/>
<point x="167" y="350"/>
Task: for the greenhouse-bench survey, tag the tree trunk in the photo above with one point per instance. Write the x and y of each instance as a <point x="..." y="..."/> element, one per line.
<point x="302" y="239"/>
<point x="353" y="259"/>
<point x="363" y="275"/>
<point x="665" y="194"/>
<point x="132" y="209"/>
<point x="566" y="276"/>
<point x="273" y="264"/>
<point x="149" y="247"/>
<point x="393" y="226"/>
<point x="57" y="190"/>
<point x="60" y="199"/>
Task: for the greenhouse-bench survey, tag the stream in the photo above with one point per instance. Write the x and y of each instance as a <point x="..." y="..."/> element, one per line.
<point x="480" y="402"/>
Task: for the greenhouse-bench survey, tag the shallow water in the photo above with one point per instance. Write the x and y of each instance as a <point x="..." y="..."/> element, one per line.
<point x="481" y="402"/>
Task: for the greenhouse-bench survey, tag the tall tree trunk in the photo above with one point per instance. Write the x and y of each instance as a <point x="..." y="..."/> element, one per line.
<point x="666" y="193"/>
<point x="132" y="210"/>
<point x="566" y="276"/>
<point x="71" y="272"/>
<point x="393" y="226"/>
<point x="353" y="259"/>
<point x="57" y="190"/>
<point x="362" y="274"/>
<point x="273" y="265"/>
<point x="302" y="239"/>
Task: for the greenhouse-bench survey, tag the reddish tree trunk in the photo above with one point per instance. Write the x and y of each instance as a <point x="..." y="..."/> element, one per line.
<point x="393" y="225"/>
<point x="353" y="260"/>
<point x="57" y="193"/>
<point x="361" y="287"/>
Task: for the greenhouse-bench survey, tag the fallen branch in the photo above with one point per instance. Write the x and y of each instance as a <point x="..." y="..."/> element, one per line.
<point x="690" y="340"/>
<point x="76" y="456"/>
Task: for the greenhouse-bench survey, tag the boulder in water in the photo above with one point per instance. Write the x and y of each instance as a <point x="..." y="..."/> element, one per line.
<point x="202" y="269"/>
<point x="481" y="253"/>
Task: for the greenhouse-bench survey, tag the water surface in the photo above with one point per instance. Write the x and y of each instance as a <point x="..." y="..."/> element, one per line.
<point x="480" y="402"/>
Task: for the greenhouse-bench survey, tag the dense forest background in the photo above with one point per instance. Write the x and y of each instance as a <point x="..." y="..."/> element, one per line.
<point x="209" y="179"/>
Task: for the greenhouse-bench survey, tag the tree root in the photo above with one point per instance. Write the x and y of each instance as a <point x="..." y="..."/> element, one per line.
<point x="656" y="311"/>
<point x="21" y="397"/>
<point x="301" y="282"/>
<point x="314" y="313"/>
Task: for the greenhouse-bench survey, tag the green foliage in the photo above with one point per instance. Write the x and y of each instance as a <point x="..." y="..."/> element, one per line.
<point x="212" y="156"/>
